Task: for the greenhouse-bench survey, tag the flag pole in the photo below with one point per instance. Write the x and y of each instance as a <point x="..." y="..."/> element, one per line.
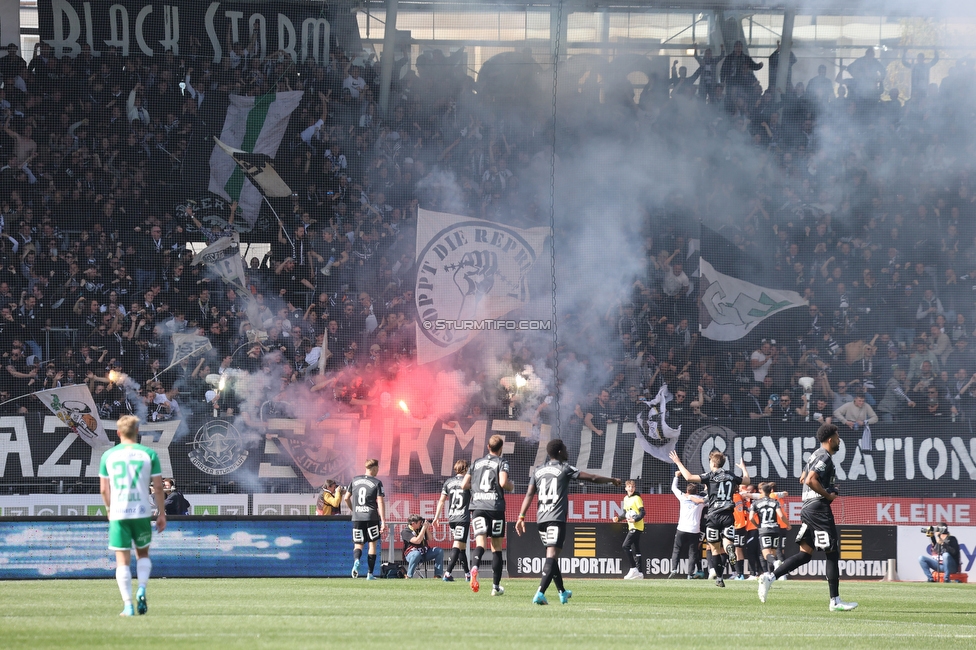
<point x="17" y="398"/>
<point x="275" y="213"/>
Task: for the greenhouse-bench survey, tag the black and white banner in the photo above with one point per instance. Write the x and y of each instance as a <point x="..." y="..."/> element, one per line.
<point x="303" y="31"/>
<point x="903" y="461"/>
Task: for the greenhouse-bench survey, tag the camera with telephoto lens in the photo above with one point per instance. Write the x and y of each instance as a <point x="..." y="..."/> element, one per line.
<point x="932" y="531"/>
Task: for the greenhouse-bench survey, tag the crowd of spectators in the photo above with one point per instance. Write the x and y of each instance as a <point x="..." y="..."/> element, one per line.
<point x="846" y="193"/>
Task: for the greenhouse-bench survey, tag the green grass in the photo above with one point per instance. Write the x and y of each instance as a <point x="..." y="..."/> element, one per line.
<point x="305" y="613"/>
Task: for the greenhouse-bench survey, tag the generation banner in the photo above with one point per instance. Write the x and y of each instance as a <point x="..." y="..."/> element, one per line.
<point x="908" y="470"/>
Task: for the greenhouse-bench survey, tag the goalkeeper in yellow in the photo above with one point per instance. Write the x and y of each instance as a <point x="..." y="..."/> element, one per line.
<point x="633" y="507"/>
<point x="125" y="473"/>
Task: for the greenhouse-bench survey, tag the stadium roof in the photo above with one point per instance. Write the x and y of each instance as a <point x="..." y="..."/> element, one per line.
<point x="807" y="7"/>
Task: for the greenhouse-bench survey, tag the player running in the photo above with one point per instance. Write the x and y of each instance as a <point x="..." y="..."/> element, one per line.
<point x="124" y="476"/>
<point x="365" y="499"/>
<point x="766" y="512"/>
<point x="458" y="518"/>
<point x="551" y="481"/>
<point x="488" y="481"/>
<point x="633" y="507"/>
<point x="719" y="521"/>
<point x="817" y="528"/>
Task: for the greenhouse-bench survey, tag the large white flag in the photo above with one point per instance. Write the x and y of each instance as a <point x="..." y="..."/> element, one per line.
<point x="653" y="433"/>
<point x="74" y="406"/>
<point x="254" y="125"/>
<point x="470" y="274"/>
<point x="731" y="307"/>
<point x="187" y="346"/>
<point x="224" y="257"/>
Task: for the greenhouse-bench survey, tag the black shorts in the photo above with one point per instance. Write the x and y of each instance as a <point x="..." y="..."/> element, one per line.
<point x="459" y="530"/>
<point x="552" y="533"/>
<point x="488" y="522"/>
<point x="740" y="536"/>
<point x="817" y="529"/>
<point x="365" y="531"/>
<point x="718" y="525"/>
<point x="769" y="539"/>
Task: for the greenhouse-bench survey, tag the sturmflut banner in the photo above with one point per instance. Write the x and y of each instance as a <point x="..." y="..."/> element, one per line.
<point x="912" y="472"/>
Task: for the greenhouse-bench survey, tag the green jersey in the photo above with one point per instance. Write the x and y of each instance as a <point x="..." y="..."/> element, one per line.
<point x="129" y="468"/>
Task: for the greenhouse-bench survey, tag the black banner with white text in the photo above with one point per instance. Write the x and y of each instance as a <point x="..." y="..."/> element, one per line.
<point x="286" y="454"/>
<point x="302" y="31"/>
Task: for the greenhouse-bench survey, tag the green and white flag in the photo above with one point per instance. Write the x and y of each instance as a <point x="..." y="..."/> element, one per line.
<point x="253" y="125"/>
<point x="731" y="307"/>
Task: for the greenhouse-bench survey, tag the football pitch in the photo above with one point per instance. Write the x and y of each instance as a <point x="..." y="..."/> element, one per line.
<point x="337" y="613"/>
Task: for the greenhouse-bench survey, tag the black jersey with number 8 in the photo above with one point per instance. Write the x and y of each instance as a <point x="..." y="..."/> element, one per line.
<point x="363" y="491"/>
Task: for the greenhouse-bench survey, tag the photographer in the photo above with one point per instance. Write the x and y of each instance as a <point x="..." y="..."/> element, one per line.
<point x="416" y="546"/>
<point x="944" y="554"/>
<point x="176" y="503"/>
<point x="330" y="498"/>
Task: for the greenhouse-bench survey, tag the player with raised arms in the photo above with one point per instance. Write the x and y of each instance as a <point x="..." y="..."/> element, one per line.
<point x="719" y="520"/>
<point x="817" y="528"/>
<point x="488" y="481"/>
<point x="551" y="481"/>
<point x="365" y="500"/>
<point x="124" y="476"/>
<point x="458" y="518"/>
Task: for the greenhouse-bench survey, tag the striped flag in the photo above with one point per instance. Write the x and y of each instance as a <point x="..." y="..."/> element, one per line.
<point x="254" y="125"/>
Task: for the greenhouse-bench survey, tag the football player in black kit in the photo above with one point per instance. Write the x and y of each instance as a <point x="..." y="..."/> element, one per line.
<point x="488" y="481"/>
<point x="551" y="481"/>
<point x="766" y="512"/>
<point x="719" y="520"/>
<point x="458" y="518"/>
<point x="817" y="529"/>
<point x="364" y="497"/>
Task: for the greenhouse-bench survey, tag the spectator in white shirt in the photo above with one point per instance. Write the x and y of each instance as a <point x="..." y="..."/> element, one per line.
<point x="856" y="413"/>
<point x="354" y="82"/>
<point x="686" y="542"/>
